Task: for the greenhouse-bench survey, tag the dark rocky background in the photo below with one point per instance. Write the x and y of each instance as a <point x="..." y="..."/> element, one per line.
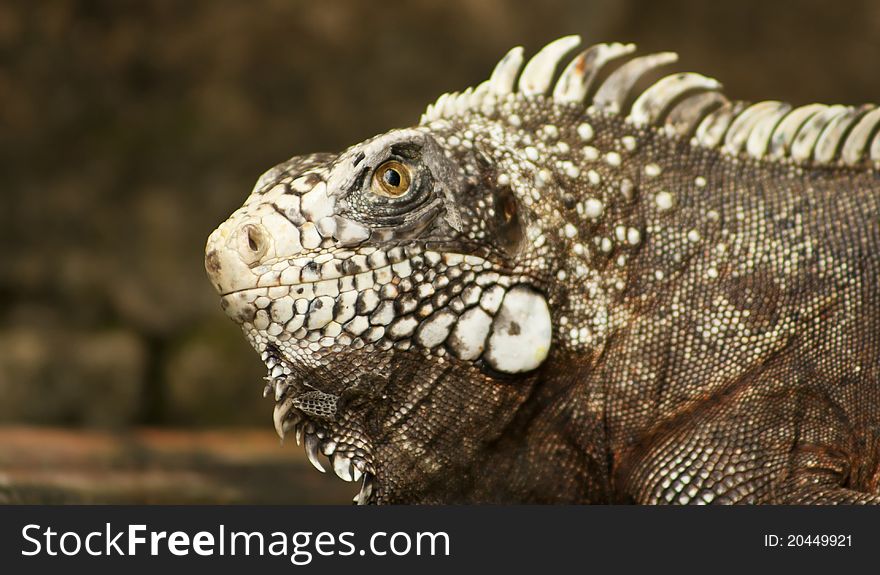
<point x="128" y="130"/>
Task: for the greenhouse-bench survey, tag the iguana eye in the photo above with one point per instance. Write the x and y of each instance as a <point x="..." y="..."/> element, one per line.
<point x="391" y="180"/>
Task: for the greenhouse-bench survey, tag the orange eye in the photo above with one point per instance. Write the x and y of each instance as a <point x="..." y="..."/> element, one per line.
<point x="391" y="180"/>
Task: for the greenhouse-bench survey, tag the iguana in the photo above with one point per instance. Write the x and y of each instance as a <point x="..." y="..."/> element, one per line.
<point x="572" y="285"/>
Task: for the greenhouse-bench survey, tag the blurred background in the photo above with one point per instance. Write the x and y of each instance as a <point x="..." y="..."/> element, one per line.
<point x="129" y="130"/>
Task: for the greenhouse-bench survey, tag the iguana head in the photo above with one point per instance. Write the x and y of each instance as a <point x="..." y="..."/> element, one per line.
<point x="384" y="289"/>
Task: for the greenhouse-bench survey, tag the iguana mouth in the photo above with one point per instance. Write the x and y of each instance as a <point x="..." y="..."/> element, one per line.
<point x="320" y="427"/>
<point x="339" y="270"/>
<point x="328" y="299"/>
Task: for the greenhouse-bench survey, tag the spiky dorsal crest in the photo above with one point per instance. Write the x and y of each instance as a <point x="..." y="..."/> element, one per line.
<point x="603" y="79"/>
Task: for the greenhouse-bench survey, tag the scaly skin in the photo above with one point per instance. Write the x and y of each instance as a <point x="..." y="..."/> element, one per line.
<point x="580" y="307"/>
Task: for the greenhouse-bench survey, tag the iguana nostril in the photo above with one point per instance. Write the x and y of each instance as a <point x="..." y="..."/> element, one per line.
<point x="253" y="242"/>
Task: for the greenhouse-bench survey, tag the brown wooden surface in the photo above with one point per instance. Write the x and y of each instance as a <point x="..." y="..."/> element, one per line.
<point x="51" y="465"/>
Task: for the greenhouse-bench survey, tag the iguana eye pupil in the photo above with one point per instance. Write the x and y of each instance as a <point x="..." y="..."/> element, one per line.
<point x="392" y="177"/>
<point x="392" y="180"/>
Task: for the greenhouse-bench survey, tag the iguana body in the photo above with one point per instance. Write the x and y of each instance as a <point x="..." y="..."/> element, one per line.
<point x="573" y="291"/>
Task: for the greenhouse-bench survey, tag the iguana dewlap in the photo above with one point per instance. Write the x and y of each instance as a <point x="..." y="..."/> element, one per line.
<point x="563" y="287"/>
